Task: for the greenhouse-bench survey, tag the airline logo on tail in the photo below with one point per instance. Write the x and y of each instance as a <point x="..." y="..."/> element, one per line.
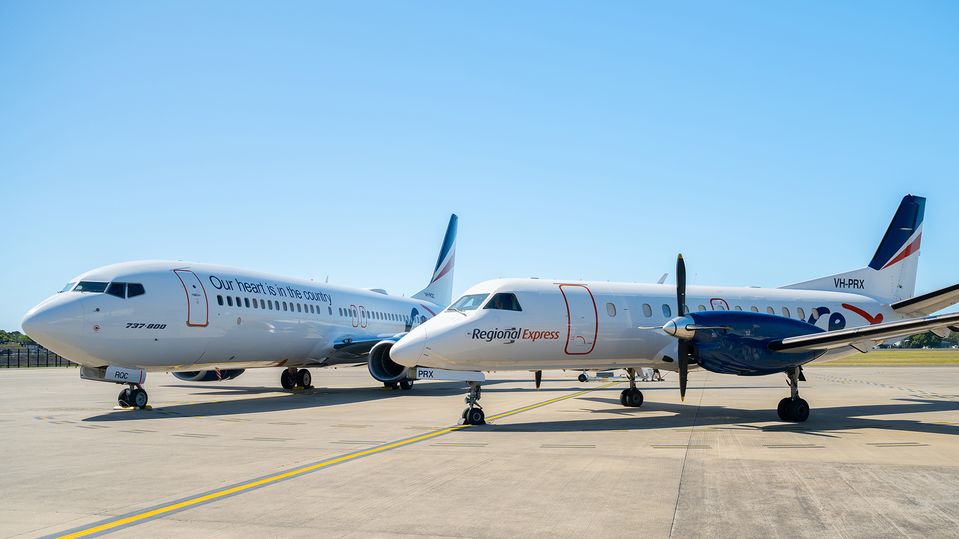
<point x="903" y="236"/>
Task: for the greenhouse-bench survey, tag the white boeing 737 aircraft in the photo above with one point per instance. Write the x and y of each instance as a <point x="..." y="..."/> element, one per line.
<point x="205" y="322"/>
<point x="536" y="324"/>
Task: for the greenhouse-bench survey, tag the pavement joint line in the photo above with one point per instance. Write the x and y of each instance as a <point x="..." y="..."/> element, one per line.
<point x="151" y="513"/>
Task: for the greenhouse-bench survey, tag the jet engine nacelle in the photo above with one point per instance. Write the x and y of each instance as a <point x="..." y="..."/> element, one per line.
<point x="382" y="367"/>
<point x="208" y="376"/>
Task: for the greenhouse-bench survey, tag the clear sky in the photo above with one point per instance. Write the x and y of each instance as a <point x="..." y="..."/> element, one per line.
<point x="769" y="142"/>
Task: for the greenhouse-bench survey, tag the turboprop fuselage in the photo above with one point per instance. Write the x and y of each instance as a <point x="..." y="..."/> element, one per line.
<point x="537" y="324"/>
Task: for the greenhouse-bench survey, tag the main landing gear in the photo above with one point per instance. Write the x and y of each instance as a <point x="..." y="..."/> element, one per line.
<point x="473" y="414"/>
<point x="793" y="408"/>
<point x="293" y="378"/>
<point x="405" y="384"/>
<point x="133" y="397"/>
<point x="631" y="397"/>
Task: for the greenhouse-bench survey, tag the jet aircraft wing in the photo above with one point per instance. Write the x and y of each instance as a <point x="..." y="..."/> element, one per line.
<point x="857" y="337"/>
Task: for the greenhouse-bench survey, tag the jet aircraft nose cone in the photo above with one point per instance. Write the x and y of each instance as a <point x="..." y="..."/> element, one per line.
<point x="408" y="350"/>
<point x="52" y="323"/>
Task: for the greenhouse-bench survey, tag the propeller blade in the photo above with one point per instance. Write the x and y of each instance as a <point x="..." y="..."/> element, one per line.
<point x="680" y="285"/>
<point x="539" y="378"/>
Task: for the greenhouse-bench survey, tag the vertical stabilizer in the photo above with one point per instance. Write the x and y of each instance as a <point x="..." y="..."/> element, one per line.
<point x="891" y="275"/>
<point x="440" y="289"/>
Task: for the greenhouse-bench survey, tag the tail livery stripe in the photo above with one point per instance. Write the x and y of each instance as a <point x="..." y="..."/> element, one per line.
<point x="905" y="225"/>
<point x="446" y="269"/>
<point x="447" y="247"/>
<point x="912" y="248"/>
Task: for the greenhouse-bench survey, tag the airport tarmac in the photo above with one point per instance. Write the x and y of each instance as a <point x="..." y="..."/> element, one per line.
<point x="879" y="457"/>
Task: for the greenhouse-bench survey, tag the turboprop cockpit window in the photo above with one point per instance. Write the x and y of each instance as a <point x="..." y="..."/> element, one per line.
<point x="468" y="303"/>
<point x="90" y="286"/>
<point x="504" y="301"/>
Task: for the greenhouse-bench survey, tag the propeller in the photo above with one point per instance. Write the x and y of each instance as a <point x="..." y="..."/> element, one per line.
<point x="539" y="378"/>
<point x="683" y="344"/>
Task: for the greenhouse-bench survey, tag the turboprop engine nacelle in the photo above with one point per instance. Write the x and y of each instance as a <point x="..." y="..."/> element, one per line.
<point x="208" y="376"/>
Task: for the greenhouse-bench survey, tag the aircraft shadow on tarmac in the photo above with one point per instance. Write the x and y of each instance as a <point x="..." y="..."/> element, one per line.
<point x="281" y="400"/>
<point x="822" y="421"/>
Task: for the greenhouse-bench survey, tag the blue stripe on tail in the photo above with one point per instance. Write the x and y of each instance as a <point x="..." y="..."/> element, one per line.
<point x="907" y="219"/>
<point x="447" y="242"/>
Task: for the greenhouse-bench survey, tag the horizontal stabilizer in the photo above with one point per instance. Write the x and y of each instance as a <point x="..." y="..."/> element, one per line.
<point x="928" y="303"/>
<point x="856" y="336"/>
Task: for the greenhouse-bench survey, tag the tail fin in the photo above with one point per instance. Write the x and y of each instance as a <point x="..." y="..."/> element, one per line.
<point x="440" y="289"/>
<point x="891" y="275"/>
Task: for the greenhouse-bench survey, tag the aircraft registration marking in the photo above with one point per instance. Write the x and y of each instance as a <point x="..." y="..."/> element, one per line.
<point x="140" y="517"/>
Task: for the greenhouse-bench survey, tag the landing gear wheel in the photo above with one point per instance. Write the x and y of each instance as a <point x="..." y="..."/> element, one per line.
<point x="583" y="378"/>
<point x="406" y="384"/>
<point x="286" y="379"/>
<point x="622" y="397"/>
<point x="474" y="416"/>
<point x="391" y="385"/>
<point x="124" y="399"/>
<point x="634" y="398"/>
<point x="794" y="411"/>
<point x="304" y="379"/>
<point x="138" y="398"/>
<point x="781" y="409"/>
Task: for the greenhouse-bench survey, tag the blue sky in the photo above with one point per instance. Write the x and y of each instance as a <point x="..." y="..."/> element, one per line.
<point x="770" y="143"/>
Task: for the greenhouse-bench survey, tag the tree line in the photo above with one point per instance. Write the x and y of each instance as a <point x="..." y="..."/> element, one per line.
<point x="15" y="337"/>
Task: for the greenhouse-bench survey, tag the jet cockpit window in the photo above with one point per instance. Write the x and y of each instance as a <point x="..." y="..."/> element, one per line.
<point x="135" y="289"/>
<point x="117" y="289"/>
<point x="68" y="287"/>
<point x="504" y="301"/>
<point x="90" y="286"/>
<point x="468" y="303"/>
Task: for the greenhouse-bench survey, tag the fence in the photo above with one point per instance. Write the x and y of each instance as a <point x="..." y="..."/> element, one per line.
<point x="27" y="357"/>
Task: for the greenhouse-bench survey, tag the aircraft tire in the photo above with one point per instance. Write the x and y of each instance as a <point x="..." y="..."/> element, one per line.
<point x="781" y="409"/>
<point x="303" y="378"/>
<point x="622" y="397"/>
<point x="139" y="398"/>
<point x="286" y="380"/>
<point x="634" y="398"/>
<point x="474" y="416"/>
<point x="123" y="399"/>
<point x="406" y="384"/>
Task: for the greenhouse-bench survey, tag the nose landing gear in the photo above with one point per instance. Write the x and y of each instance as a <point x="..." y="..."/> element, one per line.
<point x="631" y="397"/>
<point x="473" y="414"/>
<point x="133" y="397"/>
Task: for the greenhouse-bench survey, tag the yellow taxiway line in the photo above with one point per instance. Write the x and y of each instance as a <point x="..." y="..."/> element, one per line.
<point x="158" y="511"/>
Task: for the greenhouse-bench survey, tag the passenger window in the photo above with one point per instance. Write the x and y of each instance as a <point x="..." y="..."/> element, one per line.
<point x="667" y="312"/>
<point x="754" y="309"/>
<point x="647" y="310"/>
<point x="219" y="299"/>
<point x="800" y="313"/>
<point x="770" y="310"/>
<point x="504" y="301"/>
<point x="785" y="312"/>
<point x="135" y="289"/>
<point x="284" y="306"/>
<point x="299" y="308"/>
<point x="117" y="289"/>
<point x="269" y="303"/>
<point x="701" y="308"/>
<point x="246" y="301"/>
<point x="610" y="309"/>
<point x="738" y="308"/>
<point x="239" y="302"/>
<point x="229" y="301"/>
<point x="254" y="303"/>
<point x="310" y="307"/>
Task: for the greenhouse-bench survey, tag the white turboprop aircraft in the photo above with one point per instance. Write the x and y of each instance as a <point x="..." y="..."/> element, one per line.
<point x="536" y="324"/>
<point x="205" y="322"/>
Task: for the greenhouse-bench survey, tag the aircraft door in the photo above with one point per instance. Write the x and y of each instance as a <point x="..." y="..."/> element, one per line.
<point x="197" y="309"/>
<point x="582" y="320"/>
